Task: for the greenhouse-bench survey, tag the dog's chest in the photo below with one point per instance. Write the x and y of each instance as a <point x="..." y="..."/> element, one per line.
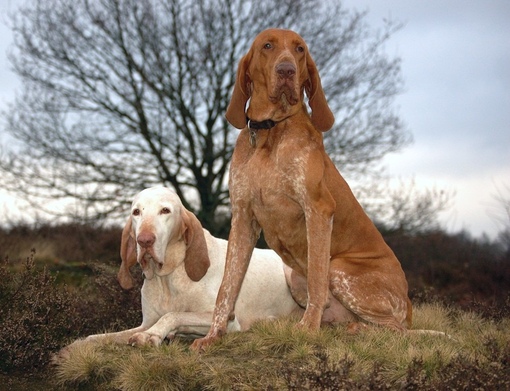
<point x="275" y="184"/>
<point x="175" y="293"/>
<point x="270" y="174"/>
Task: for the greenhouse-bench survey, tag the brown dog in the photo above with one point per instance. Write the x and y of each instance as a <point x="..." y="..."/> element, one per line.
<point x="282" y="180"/>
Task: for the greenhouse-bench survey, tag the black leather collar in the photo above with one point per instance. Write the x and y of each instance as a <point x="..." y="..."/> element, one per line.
<point x="253" y="126"/>
<point x="266" y="124"/>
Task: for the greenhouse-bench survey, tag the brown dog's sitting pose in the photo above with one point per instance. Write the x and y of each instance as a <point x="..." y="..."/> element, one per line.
<point x="283" y="182"/>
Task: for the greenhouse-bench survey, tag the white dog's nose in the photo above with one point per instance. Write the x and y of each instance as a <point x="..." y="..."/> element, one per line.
<point x="146" y="239"/>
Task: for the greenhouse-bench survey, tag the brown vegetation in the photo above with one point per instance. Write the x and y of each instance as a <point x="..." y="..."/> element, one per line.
<point x="69" y="290"/>
<point x="473" y="274"/>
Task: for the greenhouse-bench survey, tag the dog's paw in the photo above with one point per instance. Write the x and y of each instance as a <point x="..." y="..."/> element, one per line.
<point x="144" y="338"/>
<point x="311" y="321"/>
<point x="200" y="345"/>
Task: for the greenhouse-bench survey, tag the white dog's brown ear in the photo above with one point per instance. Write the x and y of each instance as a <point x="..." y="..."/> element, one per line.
<point x="128" y="256"/>
<point x="322" y="117"/>
<point x="236" y="110"/>
<point x="196" y="260"/>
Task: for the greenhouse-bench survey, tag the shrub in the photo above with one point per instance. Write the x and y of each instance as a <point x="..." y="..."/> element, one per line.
<point x="36" y="317"/>
<point x="103" y="305"/>
<point x="68" y="242"/>
<point x="40" y="316"/>
<point x="454" y="269"/>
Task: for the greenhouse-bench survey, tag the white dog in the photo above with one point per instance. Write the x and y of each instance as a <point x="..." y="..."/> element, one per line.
<point x="183" y="265"/>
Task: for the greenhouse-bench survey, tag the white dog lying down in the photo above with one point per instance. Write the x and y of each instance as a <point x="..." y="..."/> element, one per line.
<point x="183" y="266"/>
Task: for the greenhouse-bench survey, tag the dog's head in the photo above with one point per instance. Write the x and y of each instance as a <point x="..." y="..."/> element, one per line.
<point x="274" y="75"/>
<point x="160" y="234"/>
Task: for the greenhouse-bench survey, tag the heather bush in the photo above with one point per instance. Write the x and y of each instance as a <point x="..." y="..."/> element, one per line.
<point x="36" y="317"/>
<point x="40" y="316"/>
<point x="104" y="305"/>
<point x="455" y="269"/>
<point x="69" y="242"/>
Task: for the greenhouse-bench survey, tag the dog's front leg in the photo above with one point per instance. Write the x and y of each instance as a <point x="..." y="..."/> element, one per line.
<point x="242" y="239"/>
<point x="177" y="323"/>
<point x="319" y="225"/>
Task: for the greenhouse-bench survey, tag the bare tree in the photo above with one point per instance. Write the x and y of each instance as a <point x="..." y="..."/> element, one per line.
<point x="119" y="95"/>
<point x="501" y="215"/>
<point x="411" y="211"/>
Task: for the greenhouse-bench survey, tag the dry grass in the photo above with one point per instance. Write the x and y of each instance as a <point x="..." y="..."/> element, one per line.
<point x="276" y="355"/>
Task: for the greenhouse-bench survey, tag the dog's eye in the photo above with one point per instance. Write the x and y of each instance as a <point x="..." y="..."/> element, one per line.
<point x="268" y="45"/>
<point x="300" y="49"/>
<point x="165" y="211"/>
<point x="136" y="212"/>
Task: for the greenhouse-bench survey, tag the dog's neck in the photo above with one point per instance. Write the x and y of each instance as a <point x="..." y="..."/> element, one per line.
<point x="255" y="126"/>
<point x="170" y="276"/>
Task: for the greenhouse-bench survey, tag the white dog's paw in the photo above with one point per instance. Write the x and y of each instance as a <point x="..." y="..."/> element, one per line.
<point x="143" y="338"/>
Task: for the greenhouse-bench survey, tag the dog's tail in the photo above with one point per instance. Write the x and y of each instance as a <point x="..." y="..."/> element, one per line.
<point x="431" y="332"/>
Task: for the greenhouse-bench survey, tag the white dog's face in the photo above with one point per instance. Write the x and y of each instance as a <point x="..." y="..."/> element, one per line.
<point x="156" y="223"/>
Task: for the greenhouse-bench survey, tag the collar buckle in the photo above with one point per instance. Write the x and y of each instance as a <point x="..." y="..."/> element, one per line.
<point x="254" y="126"/>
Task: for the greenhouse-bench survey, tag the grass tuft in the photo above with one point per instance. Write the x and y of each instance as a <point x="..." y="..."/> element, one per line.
<point x="83" y="363"/>
<point x="432" y="316"/>
<point x="146" y="370"/>
<point x="278" y="355"/>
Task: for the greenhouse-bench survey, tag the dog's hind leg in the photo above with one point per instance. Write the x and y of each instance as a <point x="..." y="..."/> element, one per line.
<point x="370" y="296"/>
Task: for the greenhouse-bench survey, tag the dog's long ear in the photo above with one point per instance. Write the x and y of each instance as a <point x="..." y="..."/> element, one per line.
<point x="236" y="110"/>
<point x="196" y="260"/>
<point x="322" y="117"/>
<point x="128" y="256"/>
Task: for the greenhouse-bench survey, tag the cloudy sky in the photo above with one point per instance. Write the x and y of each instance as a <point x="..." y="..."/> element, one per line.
<point x="456" y="67"/>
